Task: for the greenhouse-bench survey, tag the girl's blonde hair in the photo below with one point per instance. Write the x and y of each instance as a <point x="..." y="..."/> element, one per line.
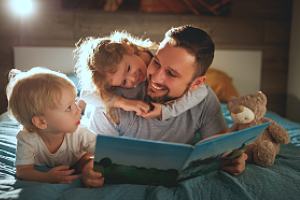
<point x="97" y="57"/>
<point x="30" y="93"/>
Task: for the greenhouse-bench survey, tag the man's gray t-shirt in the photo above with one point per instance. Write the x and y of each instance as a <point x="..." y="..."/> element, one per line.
<point x="205" y="118"/>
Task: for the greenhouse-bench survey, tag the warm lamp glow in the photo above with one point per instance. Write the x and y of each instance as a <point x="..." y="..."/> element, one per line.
<point x="22" y="7"/>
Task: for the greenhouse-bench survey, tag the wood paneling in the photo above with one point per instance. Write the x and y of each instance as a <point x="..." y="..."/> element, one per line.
<point x="6" y="61"/>
<point x="257" y="24"/>
<point x="261" y="9"/>
<point x="55" y="26"/>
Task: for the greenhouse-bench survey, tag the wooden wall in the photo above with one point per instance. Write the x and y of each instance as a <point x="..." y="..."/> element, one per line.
<point x="252" y="24"/>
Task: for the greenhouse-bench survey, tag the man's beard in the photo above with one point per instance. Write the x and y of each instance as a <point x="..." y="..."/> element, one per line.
<point x="165" y="98"/>
<point x="162" y="99"/>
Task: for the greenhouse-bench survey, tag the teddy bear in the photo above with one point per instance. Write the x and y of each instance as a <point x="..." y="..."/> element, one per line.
<point x="249" y="110"/>
<point x="221" y="83"/>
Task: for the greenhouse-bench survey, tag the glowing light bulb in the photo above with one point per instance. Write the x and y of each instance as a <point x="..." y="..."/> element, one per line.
<point x="22" y="7"/>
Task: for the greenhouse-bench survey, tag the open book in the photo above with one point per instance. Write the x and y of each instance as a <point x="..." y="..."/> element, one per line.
<point x="115" y="152"/>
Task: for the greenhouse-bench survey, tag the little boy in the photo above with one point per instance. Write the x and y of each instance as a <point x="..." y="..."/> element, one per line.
<point x="44" y="103"/>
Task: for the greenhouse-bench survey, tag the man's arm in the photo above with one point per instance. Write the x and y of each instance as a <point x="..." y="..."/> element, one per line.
<point x="215" y="124"/>
<point x="212" y="123"/>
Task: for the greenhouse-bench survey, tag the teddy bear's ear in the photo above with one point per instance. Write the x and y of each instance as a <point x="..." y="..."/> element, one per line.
<point x="262" y="98"/>
<point x="233" y="101"/>
<point x="233" y="98"/>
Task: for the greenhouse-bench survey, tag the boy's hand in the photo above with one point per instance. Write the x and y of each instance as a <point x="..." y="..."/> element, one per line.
<point x="90" y="178"/>
<point x="62" y="174"/>
<point x="234" y="166"/>
<point x="78" y="166"/>
<point x="155" y="112"/>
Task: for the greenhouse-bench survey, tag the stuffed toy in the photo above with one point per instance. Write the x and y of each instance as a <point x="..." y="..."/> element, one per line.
<point x="222" y="84"/>
<point x="249" y="110"/>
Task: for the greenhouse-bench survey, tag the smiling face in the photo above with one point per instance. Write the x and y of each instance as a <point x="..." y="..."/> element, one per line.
<point x="131" y="71"/>
<point x="170" y="73"/>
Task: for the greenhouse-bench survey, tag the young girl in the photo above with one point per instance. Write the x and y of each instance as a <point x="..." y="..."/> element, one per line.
<point x="120" y="60"/>
<point x="44" y="102"/>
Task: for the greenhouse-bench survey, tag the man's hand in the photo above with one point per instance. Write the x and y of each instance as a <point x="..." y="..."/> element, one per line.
<point x="234" y="166"/>
<point x="91" y="178"/>
<point x="62" y="174"/>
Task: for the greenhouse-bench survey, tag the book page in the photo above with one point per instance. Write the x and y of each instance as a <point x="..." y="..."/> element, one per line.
<point x="141" y="153"/>
<point x="227" y="142"/>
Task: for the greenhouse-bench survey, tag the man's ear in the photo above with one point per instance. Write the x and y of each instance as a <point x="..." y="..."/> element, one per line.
<point x="39" y="122"/>
<point x="198" y="81"/>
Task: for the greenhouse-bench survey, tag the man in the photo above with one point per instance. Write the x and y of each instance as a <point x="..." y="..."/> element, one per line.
<point x="179" y="65"/>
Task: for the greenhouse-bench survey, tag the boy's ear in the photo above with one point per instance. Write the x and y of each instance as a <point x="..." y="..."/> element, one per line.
<point x="200" y="80"/>
<point x="39" y="122"/>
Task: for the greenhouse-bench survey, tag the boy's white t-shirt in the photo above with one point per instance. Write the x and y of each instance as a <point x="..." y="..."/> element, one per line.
<point x="31" y="150"/>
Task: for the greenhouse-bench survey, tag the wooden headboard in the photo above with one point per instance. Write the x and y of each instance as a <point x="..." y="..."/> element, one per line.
<point x="243" y="66"/>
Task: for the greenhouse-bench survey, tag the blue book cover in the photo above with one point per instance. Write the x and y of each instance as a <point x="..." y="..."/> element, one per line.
<point x="149" y="154"/>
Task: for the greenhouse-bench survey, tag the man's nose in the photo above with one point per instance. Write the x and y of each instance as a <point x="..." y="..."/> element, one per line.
<point x="158" y="76"/>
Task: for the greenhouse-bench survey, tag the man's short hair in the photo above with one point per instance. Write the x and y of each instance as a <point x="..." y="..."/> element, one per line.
<point x="195" y="41"/>
<point x="30" y="93"/>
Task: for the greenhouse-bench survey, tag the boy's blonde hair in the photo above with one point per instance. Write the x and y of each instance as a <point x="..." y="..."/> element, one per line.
<point x="30" y="93"/>
<point x="97" y="57"/>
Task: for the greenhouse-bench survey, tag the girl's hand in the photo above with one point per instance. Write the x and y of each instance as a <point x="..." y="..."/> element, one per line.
<point x="155" y="112"/>
<point x="62" y="174"/>
<point x="137" y="106"/>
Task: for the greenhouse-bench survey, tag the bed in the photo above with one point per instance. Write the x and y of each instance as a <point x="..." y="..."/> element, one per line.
<point x="281" y="181"/>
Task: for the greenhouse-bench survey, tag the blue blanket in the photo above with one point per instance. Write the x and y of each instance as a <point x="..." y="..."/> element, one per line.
<point x="281" y="181"/>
